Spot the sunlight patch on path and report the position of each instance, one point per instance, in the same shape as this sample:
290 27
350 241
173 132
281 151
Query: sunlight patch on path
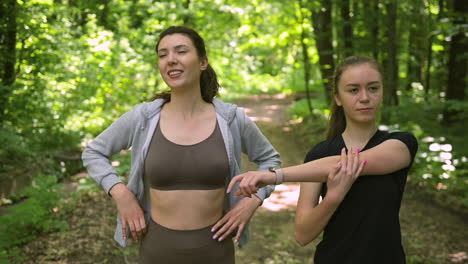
284 197
270 113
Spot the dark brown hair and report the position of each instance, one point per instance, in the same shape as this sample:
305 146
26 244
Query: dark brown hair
209 85
337 122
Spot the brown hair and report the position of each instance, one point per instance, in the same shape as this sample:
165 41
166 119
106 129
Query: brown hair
209 85
337 122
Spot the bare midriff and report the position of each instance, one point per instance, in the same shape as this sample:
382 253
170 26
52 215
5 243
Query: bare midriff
186 209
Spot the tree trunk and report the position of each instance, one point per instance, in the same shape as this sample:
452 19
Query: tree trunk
375 29
347 28
187 18
322 21
8 34
415 46
427 85
104 15
306 59
391 64
457 63
135 16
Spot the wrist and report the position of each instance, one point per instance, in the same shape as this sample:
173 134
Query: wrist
118 190
256 200
333 198
279 175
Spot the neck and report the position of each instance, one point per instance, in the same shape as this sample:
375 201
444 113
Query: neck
357 135
186 103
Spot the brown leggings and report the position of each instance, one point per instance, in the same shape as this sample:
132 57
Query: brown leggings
162 245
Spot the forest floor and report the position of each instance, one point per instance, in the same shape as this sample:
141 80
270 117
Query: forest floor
431 233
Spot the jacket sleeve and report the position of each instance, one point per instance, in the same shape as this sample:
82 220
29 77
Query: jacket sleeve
258 149
96 156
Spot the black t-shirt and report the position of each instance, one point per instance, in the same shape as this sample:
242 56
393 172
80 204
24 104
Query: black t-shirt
365 228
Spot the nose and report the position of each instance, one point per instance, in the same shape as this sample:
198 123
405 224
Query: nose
364 96
171 58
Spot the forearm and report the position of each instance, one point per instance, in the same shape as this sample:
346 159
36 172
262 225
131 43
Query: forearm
310 222
312 171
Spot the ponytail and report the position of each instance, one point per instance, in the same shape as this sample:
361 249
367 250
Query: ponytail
337 122
209 85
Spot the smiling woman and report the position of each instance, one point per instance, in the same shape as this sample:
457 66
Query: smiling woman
186 146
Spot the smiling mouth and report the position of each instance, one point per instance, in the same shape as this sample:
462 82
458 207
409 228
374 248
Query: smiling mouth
174 73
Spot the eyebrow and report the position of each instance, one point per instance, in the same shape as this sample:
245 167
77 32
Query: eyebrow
176 47
356 84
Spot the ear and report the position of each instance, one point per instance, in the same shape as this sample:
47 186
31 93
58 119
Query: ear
203 64
337 99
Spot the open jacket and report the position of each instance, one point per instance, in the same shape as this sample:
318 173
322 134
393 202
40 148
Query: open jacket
135 129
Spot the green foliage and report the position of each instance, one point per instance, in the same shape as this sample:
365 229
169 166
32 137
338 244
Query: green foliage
283 257
35 215
122 163
14 146
12 256
418 260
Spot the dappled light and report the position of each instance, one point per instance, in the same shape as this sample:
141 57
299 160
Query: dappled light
261 119
266 114
284 197
459 257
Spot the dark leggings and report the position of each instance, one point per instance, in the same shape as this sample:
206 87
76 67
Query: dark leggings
162 245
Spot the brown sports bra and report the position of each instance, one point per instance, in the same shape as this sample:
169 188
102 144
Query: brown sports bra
201 166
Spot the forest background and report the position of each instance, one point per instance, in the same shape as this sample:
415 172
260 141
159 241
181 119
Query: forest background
68 68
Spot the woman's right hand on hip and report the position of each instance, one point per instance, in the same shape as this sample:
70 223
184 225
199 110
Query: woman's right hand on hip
130 211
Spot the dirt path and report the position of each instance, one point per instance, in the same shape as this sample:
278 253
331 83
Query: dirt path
431 234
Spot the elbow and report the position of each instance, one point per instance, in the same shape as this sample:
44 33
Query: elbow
301 239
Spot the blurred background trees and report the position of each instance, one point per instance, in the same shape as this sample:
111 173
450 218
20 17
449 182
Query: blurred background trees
68 68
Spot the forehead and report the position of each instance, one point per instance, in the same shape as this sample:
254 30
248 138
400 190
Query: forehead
174 40
361 73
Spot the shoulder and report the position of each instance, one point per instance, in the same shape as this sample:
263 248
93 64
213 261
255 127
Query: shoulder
406 138
144 110
322 149
150 109
227 111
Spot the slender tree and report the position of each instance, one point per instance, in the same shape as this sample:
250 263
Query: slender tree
430 42
391 65
416 44
104 14
322 23
347 29
375 11
458 62
305 56
8 33
187 19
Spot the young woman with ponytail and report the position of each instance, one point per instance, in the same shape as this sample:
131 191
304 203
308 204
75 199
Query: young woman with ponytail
186 146
359 216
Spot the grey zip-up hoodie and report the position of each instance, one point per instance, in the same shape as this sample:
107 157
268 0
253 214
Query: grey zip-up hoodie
135 129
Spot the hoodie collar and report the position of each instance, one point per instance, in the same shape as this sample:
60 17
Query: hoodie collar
225 110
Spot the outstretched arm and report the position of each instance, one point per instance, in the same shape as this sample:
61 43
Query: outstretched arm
389 156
